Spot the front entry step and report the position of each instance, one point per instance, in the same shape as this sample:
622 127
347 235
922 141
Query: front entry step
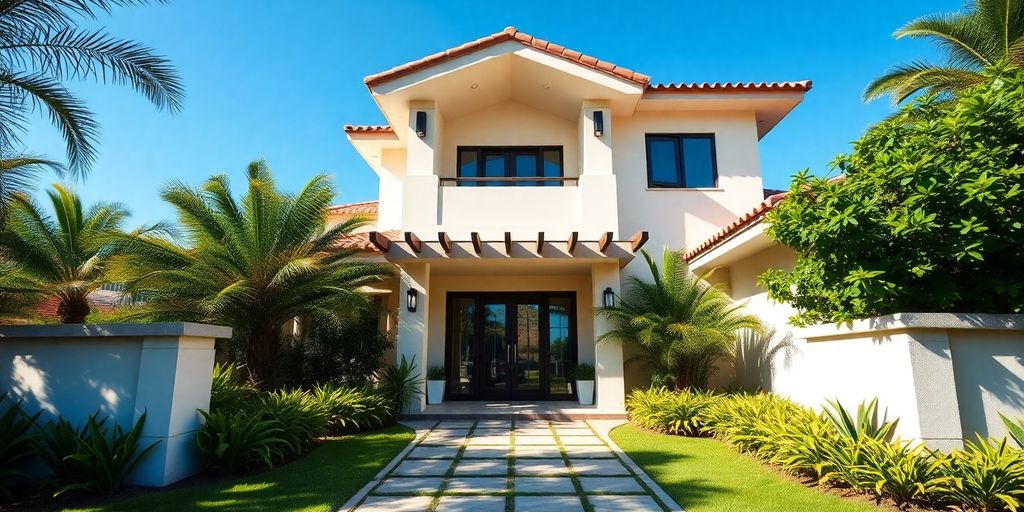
539 410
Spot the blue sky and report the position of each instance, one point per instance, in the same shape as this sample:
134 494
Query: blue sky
277 80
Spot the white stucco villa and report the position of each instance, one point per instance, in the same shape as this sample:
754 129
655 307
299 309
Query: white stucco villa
518 181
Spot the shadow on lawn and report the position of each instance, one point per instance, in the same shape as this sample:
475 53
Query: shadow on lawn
687 490
322 480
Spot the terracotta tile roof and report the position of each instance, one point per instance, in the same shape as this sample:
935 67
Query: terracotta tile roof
735 226
368 128
694 87
509 34
361 241
360 208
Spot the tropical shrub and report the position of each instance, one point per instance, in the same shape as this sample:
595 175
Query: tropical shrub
401 384
351 409
582 371
297 413
925 219
681 324
334 353
865 424
901 471
236 440
95 458
17 440
986 475
1015 428
229 391
252 262
435 373
668 411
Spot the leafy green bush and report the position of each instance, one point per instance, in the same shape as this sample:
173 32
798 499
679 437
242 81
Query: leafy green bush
333 353
236 440
352 409
925 219
297 413
986 475
401 384
902 472
582 371
667 411
230 391
864 424
95 458
17 441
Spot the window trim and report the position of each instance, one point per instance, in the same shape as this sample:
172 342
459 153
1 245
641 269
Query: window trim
678 139
509 152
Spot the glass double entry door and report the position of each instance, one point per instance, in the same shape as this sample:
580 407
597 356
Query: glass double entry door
510 346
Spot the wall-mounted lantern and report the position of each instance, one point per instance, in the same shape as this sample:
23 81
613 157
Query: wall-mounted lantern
421 124
410 300
609 298
598 123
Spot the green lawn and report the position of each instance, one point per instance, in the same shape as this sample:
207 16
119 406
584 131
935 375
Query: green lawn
320 481
705 475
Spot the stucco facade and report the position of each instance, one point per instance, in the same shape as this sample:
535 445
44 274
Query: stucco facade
572 232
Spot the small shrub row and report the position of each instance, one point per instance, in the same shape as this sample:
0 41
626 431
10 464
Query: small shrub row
841 448
95 458
247 428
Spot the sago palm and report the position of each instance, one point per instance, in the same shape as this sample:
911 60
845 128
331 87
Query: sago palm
251 264
41 49
65 255
985 34
682 324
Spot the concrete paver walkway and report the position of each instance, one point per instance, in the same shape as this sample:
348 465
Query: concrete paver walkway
506 466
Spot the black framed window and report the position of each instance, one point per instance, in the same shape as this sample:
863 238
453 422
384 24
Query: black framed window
507 166
681 161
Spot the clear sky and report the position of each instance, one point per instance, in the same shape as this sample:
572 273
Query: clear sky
277 80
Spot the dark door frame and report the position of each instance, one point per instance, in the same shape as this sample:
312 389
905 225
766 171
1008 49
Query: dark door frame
510 299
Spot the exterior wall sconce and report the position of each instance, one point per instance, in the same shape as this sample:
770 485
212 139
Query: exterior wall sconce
598 123
421 124
410 299
609 298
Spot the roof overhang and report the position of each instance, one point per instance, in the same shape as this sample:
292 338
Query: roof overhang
769 105
744 243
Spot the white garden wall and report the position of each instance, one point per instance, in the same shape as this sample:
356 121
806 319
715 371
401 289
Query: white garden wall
121 370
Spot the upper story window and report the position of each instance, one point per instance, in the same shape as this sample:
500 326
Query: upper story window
510 166
681 161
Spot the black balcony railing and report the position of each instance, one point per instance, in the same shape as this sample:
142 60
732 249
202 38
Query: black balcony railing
517 181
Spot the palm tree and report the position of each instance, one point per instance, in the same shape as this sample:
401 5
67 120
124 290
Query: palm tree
17 175
41 48
66 256
252 264
682 324
985 34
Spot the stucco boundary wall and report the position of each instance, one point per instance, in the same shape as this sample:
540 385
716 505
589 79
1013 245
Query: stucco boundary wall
123 371
945 376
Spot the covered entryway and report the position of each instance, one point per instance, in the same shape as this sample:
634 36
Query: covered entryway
510 346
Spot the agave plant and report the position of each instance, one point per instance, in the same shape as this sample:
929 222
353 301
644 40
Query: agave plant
864 424
401 384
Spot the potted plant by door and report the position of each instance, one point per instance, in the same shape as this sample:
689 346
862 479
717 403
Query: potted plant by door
435 385
584 375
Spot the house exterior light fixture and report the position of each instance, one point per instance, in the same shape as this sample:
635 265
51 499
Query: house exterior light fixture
421 124
410 299
598 123
609 298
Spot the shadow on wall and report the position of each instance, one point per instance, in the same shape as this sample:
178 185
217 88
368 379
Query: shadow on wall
758 354
989 376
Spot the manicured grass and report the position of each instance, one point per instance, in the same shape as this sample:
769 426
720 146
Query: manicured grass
705 475
320 481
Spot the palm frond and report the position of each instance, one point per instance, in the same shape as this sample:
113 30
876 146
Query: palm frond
904 81
18 174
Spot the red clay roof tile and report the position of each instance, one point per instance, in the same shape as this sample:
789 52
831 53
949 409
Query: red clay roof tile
360 208
800 86
735 226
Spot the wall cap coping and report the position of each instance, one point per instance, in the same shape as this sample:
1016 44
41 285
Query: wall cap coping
909 321
115 330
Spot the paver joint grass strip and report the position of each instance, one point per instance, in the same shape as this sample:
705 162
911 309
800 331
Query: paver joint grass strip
639 480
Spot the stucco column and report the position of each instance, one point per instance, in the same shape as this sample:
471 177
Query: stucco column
175 375
608 362
412 326
931 364
598 194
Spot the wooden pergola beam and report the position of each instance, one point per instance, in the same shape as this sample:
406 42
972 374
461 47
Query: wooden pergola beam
604 242
414 242
446 241
478 246
540 242
570 245
380 241
508 243
638 240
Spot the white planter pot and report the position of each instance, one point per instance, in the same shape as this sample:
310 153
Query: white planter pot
585 391
435 391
